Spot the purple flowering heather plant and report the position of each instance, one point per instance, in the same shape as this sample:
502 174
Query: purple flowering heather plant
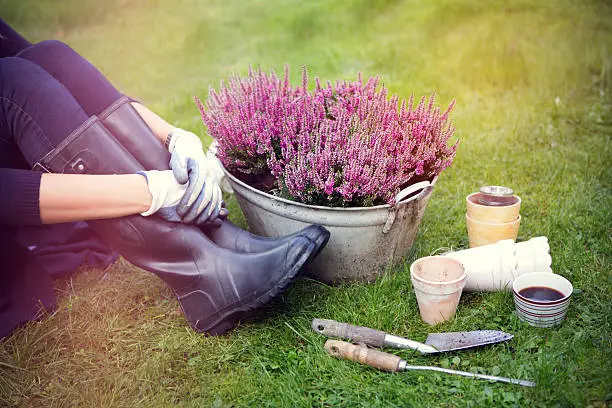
347 144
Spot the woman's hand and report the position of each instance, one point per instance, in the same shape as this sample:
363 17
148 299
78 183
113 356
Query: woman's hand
203 201
168 196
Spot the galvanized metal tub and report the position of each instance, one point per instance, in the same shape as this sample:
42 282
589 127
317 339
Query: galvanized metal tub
363 239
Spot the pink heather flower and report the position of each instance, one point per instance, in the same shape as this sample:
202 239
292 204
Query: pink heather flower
329 185
347 144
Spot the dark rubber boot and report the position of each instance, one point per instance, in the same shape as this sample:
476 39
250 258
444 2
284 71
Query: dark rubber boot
131 131
128 127
232 237
214 286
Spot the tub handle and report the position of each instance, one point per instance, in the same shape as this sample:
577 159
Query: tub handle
411 189
400 196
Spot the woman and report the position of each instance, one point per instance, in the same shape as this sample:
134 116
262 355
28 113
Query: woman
73 148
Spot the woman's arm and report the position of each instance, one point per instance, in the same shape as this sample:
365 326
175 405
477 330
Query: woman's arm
76 197
159 126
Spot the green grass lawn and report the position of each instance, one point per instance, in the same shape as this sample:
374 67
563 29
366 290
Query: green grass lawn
532 80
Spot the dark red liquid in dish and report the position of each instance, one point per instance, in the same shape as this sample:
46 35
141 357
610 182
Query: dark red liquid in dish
541 294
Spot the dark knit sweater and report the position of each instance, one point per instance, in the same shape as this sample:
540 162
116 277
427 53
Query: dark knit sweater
19 197
19 187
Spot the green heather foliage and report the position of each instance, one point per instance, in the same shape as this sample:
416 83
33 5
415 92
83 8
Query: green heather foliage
532 81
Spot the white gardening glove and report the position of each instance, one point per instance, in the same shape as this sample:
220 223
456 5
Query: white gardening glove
166 192
203 201
220 177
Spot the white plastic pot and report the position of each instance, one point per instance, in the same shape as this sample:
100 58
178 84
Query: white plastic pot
363 239
493 267
533 256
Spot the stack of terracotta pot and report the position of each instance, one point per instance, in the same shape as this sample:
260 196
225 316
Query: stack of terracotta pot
492 215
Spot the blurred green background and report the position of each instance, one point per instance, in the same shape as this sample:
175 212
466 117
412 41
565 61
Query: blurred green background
532 80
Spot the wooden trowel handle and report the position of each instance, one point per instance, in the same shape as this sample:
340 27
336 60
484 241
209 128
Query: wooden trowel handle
363 355
357 334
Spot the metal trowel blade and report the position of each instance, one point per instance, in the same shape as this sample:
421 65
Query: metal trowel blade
465 340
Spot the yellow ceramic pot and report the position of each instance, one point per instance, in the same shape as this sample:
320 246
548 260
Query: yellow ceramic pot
484 233
500 209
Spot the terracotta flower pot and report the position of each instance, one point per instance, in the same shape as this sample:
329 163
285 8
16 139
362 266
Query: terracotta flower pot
438 282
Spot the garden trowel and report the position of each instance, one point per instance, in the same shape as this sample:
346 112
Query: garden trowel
435 343
393 363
